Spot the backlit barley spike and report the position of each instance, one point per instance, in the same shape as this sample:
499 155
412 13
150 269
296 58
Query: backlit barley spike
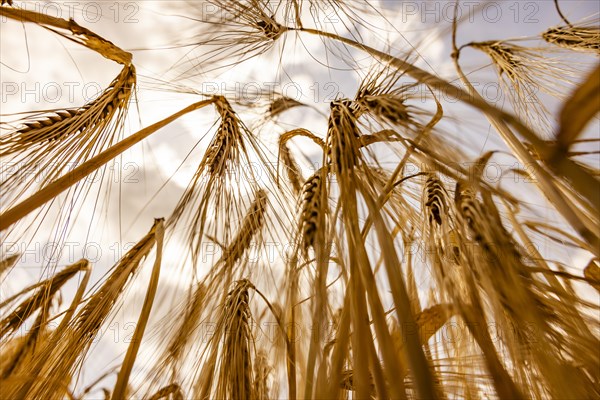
249 228
282 104
503 56
527 72
380 96
245 29
81 332
342 135
392 109
28 346
236 372
578 38
592 274
224 146
291 167
311 210
61 124
92 314
469 207
435 199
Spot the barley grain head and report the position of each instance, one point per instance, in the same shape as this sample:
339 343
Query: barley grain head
249 228
44 144
291 167
235 376
435 197
312 211
577 37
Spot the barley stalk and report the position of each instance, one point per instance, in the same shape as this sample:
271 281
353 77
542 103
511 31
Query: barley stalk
225 144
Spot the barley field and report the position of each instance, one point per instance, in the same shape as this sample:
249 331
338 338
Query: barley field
300 199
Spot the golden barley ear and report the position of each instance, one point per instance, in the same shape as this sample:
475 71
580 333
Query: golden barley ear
250 227
242 31
291 168
436 202
383 97
45 145
342 138
222 149
574 37
63 123
524 74
235 375
312 212
22 349
215 184
282 104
